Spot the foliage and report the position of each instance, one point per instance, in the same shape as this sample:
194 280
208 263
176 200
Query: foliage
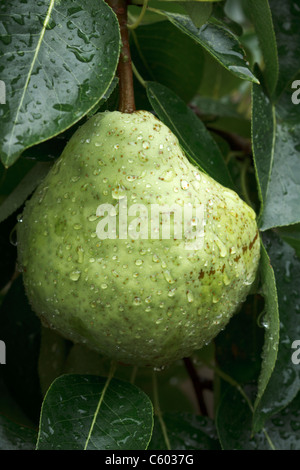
222 76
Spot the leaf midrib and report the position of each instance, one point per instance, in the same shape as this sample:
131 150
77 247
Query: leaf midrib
46 21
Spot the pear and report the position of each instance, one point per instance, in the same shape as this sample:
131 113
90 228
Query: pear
133 289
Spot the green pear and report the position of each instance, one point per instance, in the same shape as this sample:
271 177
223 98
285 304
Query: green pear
116 277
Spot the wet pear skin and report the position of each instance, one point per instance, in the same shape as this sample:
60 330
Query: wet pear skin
145 302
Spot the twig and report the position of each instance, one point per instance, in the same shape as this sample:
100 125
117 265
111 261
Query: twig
198 385
127 102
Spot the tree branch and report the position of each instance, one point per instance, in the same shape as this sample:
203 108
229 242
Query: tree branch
126 103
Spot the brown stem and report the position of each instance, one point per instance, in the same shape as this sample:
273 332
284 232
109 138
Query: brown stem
126 103
198 386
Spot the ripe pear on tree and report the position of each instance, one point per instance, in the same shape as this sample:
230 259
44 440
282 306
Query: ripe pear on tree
141 301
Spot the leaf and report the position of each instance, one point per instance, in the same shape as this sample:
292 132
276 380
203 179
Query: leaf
284 383
261 17
20 330
65 62
23 190
270 322
286 16
89 412
16 437
220 17
233 421
217 82
154 58
211 107
203 1
216 40
263 140
276 154
199 12
291 235
193 136
185 431
238 347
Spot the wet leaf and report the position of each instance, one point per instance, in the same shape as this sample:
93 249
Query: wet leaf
261 17
269 320
55 68
88 412
234 423
276 152
185 431
291 235
284 383
218 41
154 57
234 417
16 198
286 16
199 12
237 357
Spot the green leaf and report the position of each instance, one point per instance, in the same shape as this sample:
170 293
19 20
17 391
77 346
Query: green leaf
199 12
220 17
13 436
263 140
239 346
270 321
286 17
23 190
233 421
216 40
291 235
276 154
171 1
261 17
185 431
193 136
217 82
284 383
213 108
89 412
57 60
154 58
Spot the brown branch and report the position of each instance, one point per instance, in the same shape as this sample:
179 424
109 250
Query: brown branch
126 103
197 384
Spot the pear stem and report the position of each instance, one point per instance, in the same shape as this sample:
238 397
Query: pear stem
126 91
